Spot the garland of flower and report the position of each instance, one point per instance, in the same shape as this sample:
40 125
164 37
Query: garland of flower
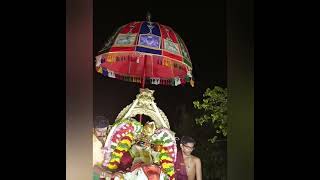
122 147
120 128
167 163
166 154
121 141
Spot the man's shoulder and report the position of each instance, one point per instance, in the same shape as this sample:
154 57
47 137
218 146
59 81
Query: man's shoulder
195 158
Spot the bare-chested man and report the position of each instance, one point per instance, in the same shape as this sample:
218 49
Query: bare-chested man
187 166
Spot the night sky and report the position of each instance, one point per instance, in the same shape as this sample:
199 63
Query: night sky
204 33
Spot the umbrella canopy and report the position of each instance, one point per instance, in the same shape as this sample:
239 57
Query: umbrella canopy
146 52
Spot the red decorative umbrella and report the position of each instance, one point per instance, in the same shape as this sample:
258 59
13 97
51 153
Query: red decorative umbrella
146 52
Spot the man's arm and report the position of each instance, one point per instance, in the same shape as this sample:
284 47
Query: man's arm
198 169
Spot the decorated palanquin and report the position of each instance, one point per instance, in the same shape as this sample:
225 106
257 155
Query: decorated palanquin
145 49
141 151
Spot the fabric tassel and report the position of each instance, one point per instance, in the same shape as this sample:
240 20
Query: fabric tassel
155 81
172 82
104 72
98 61
99 69
189 73
192 82
111 74
177 81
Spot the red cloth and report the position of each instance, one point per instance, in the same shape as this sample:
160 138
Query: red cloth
126 161
152 172
180 168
